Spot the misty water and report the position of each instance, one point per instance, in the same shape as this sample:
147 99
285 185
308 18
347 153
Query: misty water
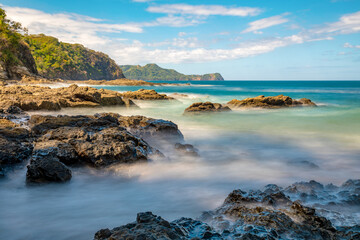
241 149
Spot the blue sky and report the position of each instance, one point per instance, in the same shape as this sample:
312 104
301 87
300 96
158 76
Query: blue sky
243 40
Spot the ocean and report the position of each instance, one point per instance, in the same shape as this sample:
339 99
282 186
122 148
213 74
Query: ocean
244 149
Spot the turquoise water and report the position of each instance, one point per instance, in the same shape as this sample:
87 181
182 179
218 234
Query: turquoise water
240 149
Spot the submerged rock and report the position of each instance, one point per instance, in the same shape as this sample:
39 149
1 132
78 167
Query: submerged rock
45 98
269 102
186 149
200 107
144 94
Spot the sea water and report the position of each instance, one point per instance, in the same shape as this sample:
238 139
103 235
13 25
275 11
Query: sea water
239 149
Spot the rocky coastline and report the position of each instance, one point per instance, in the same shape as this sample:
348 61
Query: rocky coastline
271 213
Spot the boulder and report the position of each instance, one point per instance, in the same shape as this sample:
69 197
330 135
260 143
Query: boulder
44 168
144 94
201 107
261 101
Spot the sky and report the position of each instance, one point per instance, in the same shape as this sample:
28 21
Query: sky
241 39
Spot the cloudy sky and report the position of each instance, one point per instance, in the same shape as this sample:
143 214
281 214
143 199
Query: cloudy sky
241 39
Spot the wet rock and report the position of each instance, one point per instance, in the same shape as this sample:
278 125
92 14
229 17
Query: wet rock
96 141
2 174
15 143
147 227
186 149
47 168
151 129
206 107
269 102
268 214
45 98
144 94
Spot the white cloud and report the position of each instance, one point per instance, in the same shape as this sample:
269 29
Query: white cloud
349 23
204 10
265 23
174 21
348 45
90 32
71 28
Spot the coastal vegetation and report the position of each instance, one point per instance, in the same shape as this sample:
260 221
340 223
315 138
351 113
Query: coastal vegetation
15 57
56 59
154 72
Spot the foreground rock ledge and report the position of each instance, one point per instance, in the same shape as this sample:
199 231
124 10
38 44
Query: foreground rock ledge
258 215
269 102
201 107
44 98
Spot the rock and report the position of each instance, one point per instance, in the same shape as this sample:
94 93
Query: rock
206 107
144 94
96 141
147 227
47 168
187 149
15 143
2 174
262 215
45 98
152 129
269 102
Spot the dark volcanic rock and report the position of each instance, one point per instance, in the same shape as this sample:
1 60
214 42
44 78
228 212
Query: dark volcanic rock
206 107
269 102
15 143
47 168
264 215
147 227
90 140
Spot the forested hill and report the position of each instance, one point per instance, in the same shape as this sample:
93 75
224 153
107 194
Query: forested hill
15 57
154 72
55 59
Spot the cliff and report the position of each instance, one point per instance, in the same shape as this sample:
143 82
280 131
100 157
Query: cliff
16 60
55 59
154 72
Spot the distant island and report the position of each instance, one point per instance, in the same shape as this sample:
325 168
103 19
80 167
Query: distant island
154 72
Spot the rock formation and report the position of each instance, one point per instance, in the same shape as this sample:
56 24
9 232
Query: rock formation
269 102
45 98
144 94
201 107
259 215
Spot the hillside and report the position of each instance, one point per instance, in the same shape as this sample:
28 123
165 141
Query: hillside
16 60
154 72
55 59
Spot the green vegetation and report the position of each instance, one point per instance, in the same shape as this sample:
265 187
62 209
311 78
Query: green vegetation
14 51
154 72
55 59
